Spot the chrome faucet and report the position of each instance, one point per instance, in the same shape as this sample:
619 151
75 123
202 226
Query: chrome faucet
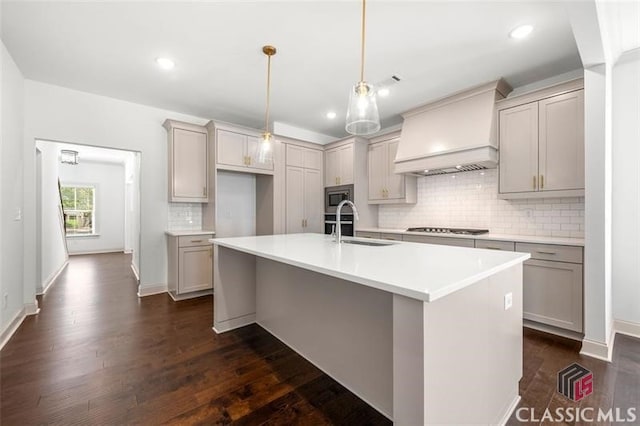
338 224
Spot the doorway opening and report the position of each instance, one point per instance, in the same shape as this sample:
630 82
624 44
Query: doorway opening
87 202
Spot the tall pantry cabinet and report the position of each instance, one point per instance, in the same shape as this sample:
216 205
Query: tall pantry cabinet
304 189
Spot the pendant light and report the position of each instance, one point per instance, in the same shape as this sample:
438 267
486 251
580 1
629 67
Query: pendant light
362 112
265 147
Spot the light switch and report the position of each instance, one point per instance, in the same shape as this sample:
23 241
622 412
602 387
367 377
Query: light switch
508 301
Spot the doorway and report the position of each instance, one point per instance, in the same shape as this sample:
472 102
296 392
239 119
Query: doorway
87 202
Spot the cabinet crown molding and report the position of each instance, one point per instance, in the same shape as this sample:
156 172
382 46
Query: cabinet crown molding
542 93
175 124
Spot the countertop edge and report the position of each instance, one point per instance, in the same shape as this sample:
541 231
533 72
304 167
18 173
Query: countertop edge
533 239
188 232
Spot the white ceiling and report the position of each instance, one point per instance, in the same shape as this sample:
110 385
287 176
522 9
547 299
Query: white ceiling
88 153
437 48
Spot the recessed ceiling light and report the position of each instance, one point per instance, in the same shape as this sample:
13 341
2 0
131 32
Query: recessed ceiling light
165 63
331 115
384 92
521 31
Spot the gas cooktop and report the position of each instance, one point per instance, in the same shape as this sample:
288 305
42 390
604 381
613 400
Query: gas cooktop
435 230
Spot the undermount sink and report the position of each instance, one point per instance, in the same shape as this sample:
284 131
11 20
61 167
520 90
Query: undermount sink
366 243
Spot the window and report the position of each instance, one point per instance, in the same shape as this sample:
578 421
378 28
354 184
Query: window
78 204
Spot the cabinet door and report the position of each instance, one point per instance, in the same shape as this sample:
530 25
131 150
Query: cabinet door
313 201
312 159
562 142
195 269
553 293
519 149
295 156
332 167
189 174
346 165
443 241
231 148
395 182
377 171
253 145
294 200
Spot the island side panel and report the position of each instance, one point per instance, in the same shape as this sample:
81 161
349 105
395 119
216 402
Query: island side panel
343 328
234 287
408 361
473 352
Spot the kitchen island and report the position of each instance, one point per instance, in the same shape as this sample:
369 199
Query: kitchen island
423 333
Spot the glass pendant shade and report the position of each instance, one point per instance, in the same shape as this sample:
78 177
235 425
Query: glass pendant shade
264 153
362 112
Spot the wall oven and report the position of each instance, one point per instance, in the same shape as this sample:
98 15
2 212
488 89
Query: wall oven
346 223
334 195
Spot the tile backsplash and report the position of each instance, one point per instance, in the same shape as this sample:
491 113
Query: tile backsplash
470 200
185 216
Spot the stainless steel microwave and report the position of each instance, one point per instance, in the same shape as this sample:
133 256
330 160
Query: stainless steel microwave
334 195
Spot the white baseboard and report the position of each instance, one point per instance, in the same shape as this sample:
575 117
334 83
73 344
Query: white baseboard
192 295
31 308
599 350
150 290
628 328
135 272
553 330
11 327
510 409
128 251
52 279
80 253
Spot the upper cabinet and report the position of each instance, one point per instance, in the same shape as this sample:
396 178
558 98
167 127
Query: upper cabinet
236 150
188 162
385 186
339 165
542 143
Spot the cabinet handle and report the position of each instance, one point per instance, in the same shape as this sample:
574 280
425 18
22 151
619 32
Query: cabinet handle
248 160
492 248
541 181
551 253
196 241
210 253
204 191
534 182
339 180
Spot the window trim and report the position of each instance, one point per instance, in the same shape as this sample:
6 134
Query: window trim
94 223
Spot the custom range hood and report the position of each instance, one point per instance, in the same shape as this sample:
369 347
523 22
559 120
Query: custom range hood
453 134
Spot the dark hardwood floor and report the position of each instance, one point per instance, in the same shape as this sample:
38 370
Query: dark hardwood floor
96 354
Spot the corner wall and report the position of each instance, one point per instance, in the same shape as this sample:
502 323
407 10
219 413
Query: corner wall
11 178
626 188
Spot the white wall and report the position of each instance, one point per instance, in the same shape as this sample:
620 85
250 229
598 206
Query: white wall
11 178
626 188
53 253
108 179
60 114
470 200
132 209
236 204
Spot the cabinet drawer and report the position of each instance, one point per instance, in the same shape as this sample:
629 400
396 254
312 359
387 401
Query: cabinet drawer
365 234
556 253
194 240
394 237
496 245
460 242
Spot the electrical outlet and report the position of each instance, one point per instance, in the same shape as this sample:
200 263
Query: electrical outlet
508 301
529 212
5 301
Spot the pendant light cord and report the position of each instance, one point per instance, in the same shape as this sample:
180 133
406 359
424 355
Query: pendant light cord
364 9
266 119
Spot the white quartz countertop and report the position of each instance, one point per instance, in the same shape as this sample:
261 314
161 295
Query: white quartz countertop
188 232
421 271
563 241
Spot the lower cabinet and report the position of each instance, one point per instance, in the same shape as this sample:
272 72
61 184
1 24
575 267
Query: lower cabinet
444 241
190 264
552 293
